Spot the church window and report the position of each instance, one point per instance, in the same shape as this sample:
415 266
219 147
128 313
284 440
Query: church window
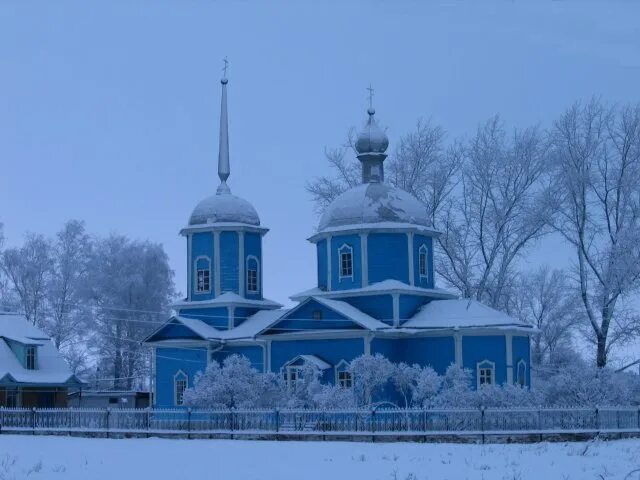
180 383
203 275
422 261
345 379
522 373
317 314
292 375
252 274
486 373
346 261
30 358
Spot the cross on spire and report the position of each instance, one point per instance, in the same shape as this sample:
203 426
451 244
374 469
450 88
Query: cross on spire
370 89
226 66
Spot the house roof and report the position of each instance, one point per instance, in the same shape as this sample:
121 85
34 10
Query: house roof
352 312
312 359
52 368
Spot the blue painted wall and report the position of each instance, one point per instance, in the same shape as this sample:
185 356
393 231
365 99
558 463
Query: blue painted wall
436 352
409 305
390 348
331 351
321 252
217 317
418 241
253 352
521 352
478 348
379 307
346 283
388 257
168 362
240 314
174 330
253 246
301 318
229 255
202 245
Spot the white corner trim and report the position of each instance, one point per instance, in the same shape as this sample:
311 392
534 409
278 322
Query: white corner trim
189 266
231 311
364 261
509 349
457 337
396 309
216 261
411 266
329 263
367 344
241 265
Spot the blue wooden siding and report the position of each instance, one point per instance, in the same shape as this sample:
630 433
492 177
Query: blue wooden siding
240 314
409 305
346 283
321 251
171 360
475 349
202 245
217 317
389 347
229 254
301 318
418 241
174 330
331 351
379 307
254 353
253 246
388 257
521 352
436 352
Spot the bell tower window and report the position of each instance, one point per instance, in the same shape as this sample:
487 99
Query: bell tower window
345 254
253 272
203 275
423 268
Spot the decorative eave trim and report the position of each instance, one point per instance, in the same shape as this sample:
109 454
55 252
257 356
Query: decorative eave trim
223 227
374 227
359 293
261 304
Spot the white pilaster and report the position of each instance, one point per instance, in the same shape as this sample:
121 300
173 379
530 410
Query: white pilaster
364 254
216 261
396 309
509 340
232 317
329 263
189 266
410 250
367 344
458 348
241 264
267 363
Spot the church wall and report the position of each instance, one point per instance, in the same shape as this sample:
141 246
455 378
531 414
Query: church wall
418 241
240 314
390 348
521 351
321 251
477 348
229 254
331 351
379 307
253 247
175 331
302 319
202 245
254 353
217 317
171 360
346 283
436 352
388 257
409 305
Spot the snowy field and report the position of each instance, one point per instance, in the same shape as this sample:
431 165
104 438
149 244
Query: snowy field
97 459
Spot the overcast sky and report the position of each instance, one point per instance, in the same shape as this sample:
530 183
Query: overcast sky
109 113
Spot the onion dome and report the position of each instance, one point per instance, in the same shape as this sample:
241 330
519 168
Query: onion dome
374 203
372 139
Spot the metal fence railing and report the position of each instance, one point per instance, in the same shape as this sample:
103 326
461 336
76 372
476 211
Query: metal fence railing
324 422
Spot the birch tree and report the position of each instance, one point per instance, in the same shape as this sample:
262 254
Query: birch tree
596 149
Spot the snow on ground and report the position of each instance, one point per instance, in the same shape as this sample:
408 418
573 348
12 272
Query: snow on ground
49 457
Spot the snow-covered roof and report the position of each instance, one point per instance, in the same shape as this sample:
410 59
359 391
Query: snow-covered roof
353 313
373 203
460 313
228 298
312 359
386 286
51 366
224 207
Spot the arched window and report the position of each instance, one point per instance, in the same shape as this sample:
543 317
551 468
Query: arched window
486 372
180 384
345 256
522 373
253 274
423 258
344 378
203 274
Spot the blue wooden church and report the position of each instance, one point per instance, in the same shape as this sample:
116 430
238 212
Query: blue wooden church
375 293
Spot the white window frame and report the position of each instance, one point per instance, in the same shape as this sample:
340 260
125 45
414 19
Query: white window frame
179 377
523 364
196 270
343 367
253 257
30 357
345 248
288 371
485 365
423 250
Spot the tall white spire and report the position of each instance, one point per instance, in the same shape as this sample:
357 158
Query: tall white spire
223 152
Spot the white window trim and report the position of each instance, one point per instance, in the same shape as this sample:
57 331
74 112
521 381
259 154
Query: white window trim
195 275
185 377
482 365
524 364
342 366
290 368
423 250
252 257
349 248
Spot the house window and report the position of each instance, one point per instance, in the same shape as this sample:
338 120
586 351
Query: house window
292 375
203 275
317 314
422 262
345 379
180 381
30 361
252 274
522 373
486 373
12 399
346 261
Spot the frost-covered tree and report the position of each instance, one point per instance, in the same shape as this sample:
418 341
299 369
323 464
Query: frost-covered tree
596 152
455 389
371 374
427 386
334 397
405 378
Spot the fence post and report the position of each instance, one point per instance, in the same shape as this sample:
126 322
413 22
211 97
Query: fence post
482 422
148 420
277 415
597 420
33 420
373 421
188 423
108 413
424 420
